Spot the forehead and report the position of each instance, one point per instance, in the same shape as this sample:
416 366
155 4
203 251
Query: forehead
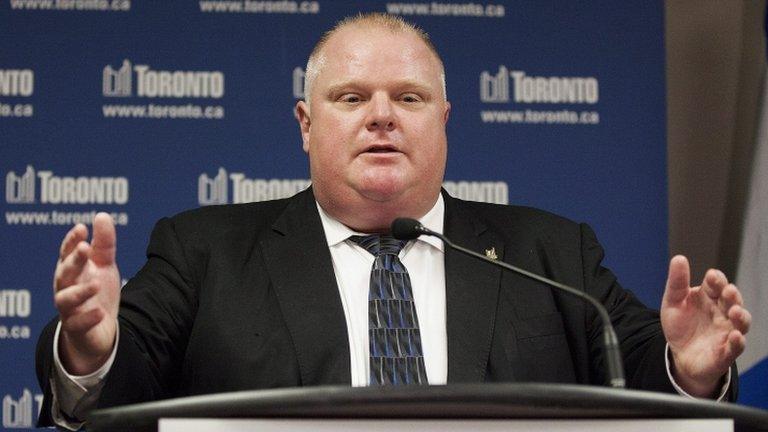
356 52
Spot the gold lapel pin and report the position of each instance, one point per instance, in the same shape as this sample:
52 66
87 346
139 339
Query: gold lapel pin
491 253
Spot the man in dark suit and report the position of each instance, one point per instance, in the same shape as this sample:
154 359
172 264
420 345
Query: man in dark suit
268 294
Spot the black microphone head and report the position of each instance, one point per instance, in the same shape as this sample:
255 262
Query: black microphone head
406 229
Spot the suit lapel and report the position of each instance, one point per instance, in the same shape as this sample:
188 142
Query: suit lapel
300 266
472 290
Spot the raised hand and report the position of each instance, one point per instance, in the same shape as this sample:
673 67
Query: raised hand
86 288
705 327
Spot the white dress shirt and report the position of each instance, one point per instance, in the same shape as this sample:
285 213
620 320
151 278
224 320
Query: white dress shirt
352 267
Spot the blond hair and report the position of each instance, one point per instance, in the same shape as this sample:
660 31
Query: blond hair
393 23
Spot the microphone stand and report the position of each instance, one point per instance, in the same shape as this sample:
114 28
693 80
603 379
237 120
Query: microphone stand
407 229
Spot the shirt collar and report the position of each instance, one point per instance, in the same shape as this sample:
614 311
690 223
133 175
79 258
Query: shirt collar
336 232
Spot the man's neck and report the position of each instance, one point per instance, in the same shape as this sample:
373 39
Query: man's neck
376 218
337 231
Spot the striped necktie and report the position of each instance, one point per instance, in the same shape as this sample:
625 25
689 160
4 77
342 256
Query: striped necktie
396 357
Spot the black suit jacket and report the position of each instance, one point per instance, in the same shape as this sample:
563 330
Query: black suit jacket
244 297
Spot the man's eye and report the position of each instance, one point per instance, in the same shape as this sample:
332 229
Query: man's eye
350 98
410 98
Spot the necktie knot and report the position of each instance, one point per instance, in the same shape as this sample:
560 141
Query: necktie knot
378 245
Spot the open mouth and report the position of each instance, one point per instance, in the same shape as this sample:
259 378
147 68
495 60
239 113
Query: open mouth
384 148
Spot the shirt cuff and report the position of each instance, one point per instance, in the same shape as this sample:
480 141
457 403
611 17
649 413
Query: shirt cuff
76 395
723 390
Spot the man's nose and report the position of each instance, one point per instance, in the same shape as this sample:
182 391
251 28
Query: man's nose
381 115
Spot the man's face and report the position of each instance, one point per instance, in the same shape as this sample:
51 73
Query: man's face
375 129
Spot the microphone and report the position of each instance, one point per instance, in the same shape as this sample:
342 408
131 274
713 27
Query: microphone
409 229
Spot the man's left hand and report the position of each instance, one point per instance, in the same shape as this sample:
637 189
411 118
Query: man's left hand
704 326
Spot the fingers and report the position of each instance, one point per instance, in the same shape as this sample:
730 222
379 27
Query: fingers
734 347
731 296
714 283
740 318
68 299
104 240
81 323
74 311
678 280
75 251
71 266
75 235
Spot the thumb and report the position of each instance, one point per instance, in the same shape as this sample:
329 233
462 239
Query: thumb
104 240
678 280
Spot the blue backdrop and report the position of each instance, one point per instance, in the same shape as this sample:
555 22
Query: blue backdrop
143 109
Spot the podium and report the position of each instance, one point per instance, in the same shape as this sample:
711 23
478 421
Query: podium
498 402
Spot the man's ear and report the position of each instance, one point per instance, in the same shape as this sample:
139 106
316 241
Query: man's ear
446 112
301 112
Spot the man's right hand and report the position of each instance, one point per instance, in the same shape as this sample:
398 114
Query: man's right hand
86 289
